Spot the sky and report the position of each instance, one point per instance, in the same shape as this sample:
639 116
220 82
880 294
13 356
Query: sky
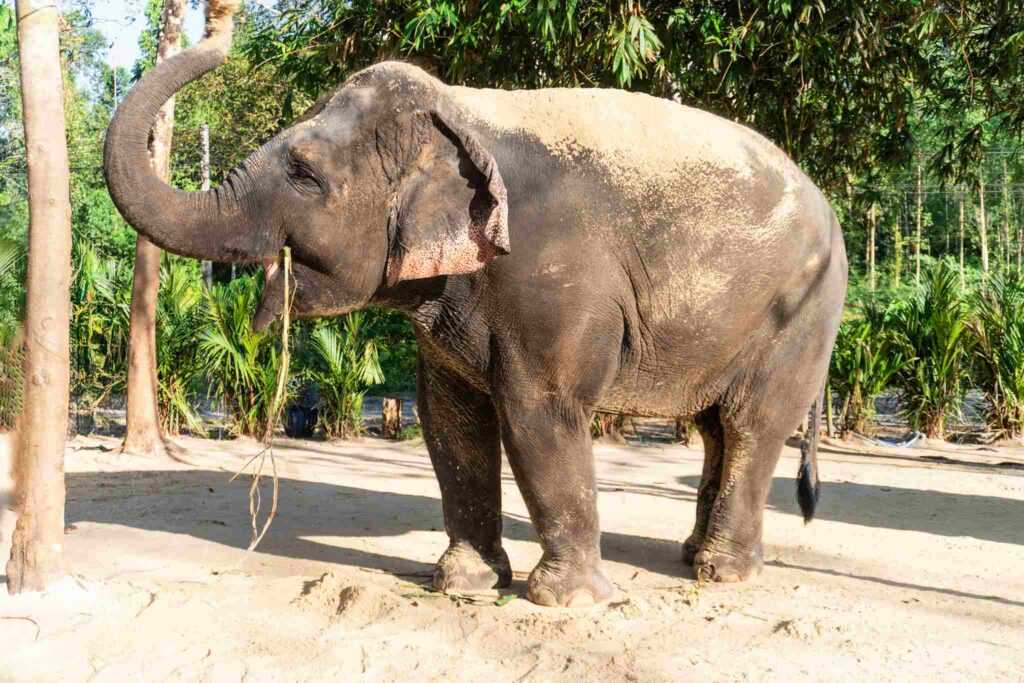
121 21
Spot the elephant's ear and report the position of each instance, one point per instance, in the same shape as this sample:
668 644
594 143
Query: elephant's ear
451 207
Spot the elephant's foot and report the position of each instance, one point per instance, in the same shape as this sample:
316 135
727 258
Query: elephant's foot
691 547
557 583
463 568
713 565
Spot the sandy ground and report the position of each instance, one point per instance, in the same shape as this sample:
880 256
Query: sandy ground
913 570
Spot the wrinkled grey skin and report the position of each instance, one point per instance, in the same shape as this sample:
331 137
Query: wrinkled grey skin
544 281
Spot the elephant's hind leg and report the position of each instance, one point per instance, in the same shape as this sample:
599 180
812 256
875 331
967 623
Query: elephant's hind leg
460 428
731 549
757 415
710 428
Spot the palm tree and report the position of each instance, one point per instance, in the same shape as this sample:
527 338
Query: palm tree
345 361
932 328
178 316
240 364
998 329
865 360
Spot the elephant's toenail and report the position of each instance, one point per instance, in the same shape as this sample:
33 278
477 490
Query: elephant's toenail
543 596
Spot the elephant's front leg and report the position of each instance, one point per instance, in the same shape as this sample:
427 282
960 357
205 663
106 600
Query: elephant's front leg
549 448
461 431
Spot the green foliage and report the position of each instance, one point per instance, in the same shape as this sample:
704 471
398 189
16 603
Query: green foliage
410 433
177 356
344 361
11 381
852 90
240 365
100 302
932 328
396 346
998 327
835 84
11 356
865 359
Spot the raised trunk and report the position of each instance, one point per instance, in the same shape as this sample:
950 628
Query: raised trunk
215 225
38 540
143 435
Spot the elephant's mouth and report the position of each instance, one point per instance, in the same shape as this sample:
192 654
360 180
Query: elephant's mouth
273 300
312 294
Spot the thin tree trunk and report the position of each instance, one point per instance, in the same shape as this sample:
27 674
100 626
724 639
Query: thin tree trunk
829 420
897 240
391 418
1007 217
1020 241
920 216
204 139
983 227
962 276
38 539
143 435
872 220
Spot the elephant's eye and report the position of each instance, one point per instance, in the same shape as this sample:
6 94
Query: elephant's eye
304 178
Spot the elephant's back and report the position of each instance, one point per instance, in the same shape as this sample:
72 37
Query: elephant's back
640 138
681 172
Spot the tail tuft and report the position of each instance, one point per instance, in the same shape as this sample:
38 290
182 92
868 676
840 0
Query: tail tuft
808 488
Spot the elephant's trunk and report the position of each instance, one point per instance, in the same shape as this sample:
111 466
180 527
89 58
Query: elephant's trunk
213 225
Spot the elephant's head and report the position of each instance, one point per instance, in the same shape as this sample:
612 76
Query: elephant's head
379 183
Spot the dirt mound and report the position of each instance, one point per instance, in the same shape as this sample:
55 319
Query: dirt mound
337 598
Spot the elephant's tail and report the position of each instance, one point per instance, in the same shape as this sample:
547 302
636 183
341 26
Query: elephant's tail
807 484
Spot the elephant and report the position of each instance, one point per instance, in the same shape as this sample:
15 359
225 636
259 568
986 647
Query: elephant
558 252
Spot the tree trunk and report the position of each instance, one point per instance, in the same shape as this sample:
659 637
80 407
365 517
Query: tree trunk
962 277
829 418
38 540
872 217
143 435
920 216
608 426
983 226
897 240
1007 218
684 430
391 418
204 139
1020 241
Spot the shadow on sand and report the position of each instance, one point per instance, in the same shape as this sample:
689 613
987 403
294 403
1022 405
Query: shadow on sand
203 504
987 518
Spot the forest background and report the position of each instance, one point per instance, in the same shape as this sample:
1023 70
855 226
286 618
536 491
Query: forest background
908 114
